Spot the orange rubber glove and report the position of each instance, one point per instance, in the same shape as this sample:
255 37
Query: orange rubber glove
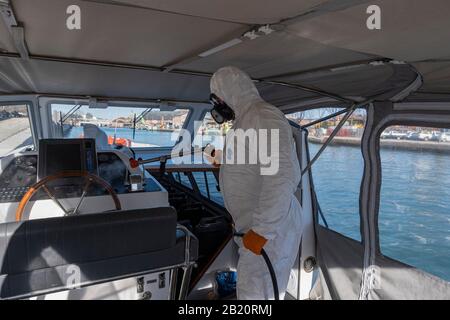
254 242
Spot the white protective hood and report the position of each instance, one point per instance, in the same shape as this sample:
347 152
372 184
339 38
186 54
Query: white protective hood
235 88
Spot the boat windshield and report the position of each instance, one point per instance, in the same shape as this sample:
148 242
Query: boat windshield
137 127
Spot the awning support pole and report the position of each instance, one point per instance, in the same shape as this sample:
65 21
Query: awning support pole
332 135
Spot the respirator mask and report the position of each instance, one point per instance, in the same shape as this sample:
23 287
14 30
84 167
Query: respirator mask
220 112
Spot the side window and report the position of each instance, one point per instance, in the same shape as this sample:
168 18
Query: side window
414 216
15 131
207 183
338 172
183 179
212 133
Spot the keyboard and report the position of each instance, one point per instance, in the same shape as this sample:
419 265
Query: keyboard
14 194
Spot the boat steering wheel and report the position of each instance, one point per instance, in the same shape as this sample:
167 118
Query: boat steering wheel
89 179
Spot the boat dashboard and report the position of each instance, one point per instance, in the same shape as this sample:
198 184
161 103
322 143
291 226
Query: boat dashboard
21 174
21 171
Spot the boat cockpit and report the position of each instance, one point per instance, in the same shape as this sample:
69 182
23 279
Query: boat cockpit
68 167
79 175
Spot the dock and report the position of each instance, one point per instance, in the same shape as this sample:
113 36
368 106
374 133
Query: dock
412 145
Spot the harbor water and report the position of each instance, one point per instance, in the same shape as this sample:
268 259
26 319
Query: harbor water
414 214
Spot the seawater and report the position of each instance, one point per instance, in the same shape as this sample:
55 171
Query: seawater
414 214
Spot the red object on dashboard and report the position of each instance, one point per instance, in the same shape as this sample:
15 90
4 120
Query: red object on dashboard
134 163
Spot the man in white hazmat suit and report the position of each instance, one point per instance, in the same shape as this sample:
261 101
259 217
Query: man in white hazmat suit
263 206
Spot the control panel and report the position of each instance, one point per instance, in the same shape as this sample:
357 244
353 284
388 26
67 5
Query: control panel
14 194
21 173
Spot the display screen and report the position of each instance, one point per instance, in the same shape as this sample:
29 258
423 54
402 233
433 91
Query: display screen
63 157
56 155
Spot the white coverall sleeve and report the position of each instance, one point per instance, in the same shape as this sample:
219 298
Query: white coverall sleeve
276 190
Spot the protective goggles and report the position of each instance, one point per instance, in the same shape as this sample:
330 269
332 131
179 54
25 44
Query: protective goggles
220 112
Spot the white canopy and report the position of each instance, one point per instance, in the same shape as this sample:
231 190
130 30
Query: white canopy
150 49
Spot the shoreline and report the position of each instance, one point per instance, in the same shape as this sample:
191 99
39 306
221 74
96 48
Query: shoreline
429 146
